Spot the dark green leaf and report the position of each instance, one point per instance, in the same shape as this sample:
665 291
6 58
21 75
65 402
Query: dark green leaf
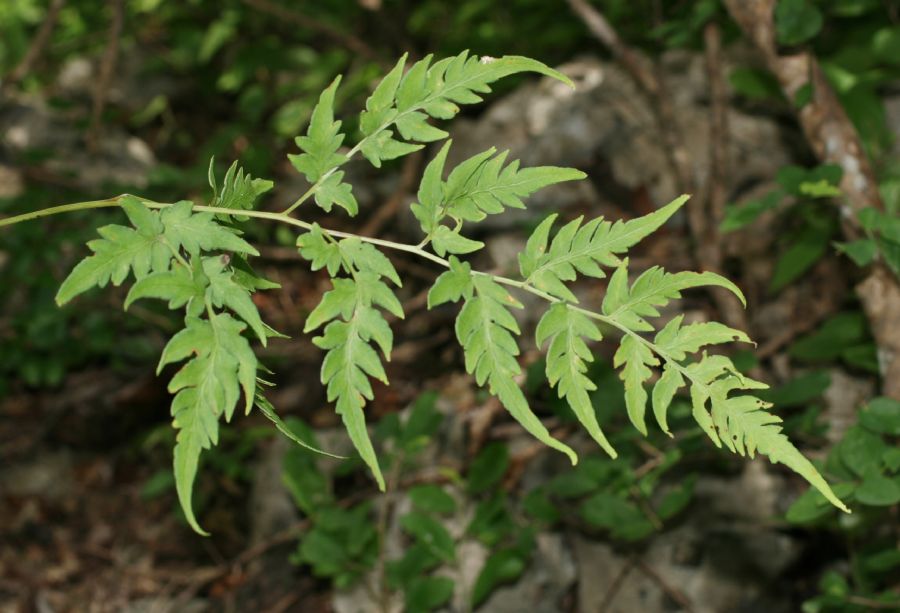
488 468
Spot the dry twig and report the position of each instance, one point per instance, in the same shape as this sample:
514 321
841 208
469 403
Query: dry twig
639 68
710 247
38 45
107 67
351 42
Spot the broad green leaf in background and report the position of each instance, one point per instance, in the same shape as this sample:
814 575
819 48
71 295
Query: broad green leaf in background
797 21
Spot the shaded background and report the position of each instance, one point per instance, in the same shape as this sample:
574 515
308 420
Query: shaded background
100 98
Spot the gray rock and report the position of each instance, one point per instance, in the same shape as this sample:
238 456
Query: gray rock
606 128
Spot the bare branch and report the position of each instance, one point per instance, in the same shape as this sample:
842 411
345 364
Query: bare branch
353 43
107 68
38 44
641 71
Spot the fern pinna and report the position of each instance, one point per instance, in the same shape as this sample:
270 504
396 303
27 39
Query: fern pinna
194 257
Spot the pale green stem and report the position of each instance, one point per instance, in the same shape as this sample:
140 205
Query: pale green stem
65 208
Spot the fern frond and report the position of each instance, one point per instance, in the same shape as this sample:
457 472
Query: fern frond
486 330
221 366
482 185
320 157
583 249
741 422
635 358
194 231
121 251
181 286
319 250
653 289
352 324
476 188
239 190
677 341
431 90
567 358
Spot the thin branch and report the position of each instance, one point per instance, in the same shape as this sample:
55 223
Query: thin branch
829 131
710 247
616 585
107 68
38 45
351 42
672 592
653 87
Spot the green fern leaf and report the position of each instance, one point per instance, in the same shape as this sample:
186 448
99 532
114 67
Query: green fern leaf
184 228
654 288
485 328
120 252
452 285
239 190
383 146
266 408
321 252
365 257
222 365
567 358
482 185
333 191
447 241
741 422
663 393
322 141
635 358
352 324
180 286
224 291
677 341
320 157
431 90
583 249
429 209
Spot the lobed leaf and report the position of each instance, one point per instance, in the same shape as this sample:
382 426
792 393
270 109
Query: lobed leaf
486 330
180 286
322 141
353 324
452 285
221 366
653 289
482 185
635 358
193 232
239 190
583 249
119 252
431 89
741 422
567 358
